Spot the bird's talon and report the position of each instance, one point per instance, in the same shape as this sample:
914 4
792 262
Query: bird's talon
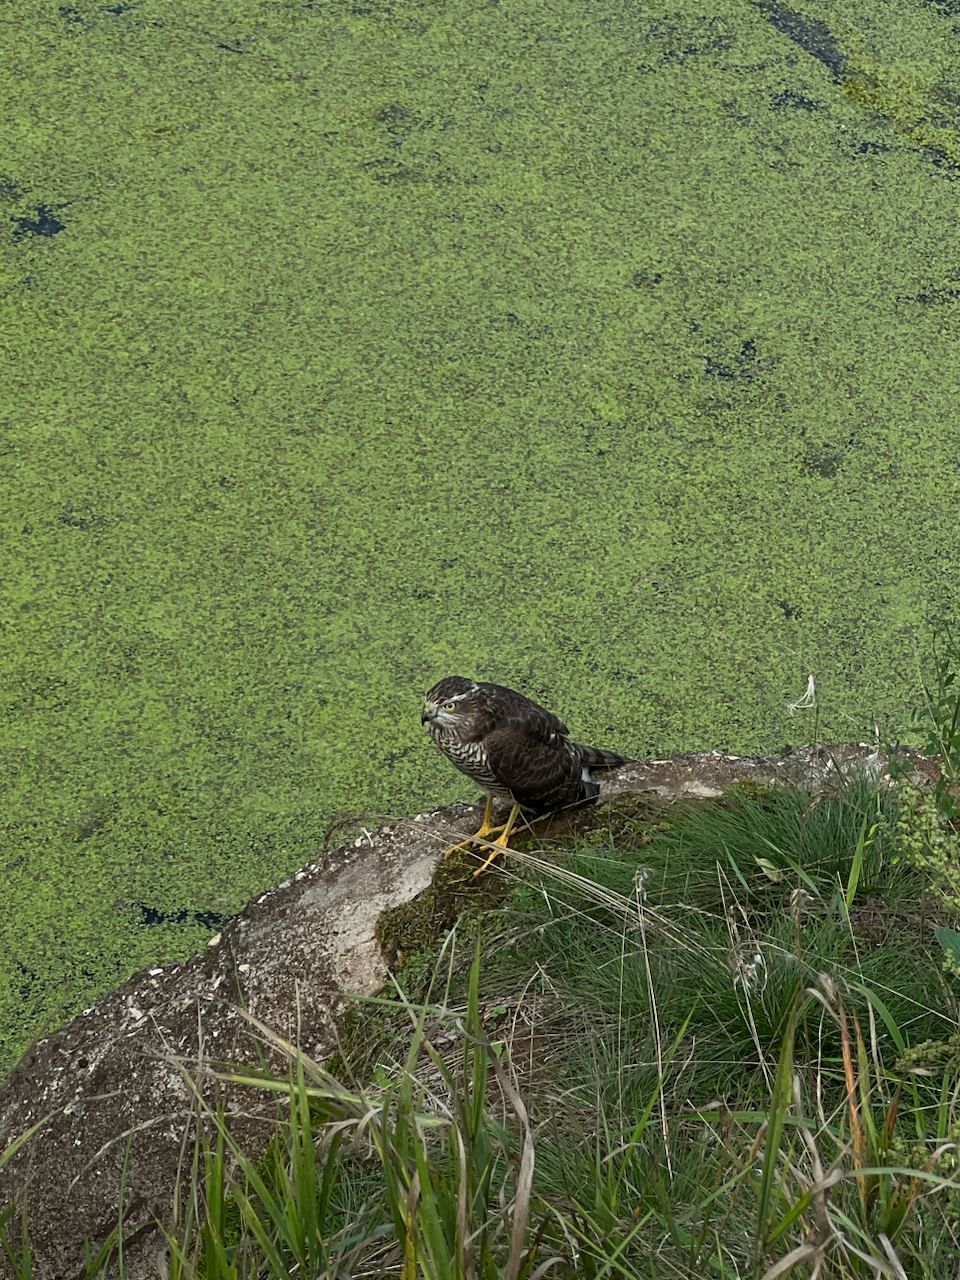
483 835
455 848
484 866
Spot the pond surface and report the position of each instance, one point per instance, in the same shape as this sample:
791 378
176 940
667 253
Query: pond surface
609 350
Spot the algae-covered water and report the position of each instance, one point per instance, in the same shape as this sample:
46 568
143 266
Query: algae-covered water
610 350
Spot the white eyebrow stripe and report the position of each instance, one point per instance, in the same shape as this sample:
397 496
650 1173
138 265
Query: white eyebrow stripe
459 697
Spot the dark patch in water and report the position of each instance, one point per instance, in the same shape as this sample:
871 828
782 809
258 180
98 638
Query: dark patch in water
392 114
715 369
936 297
9 190
151 916
874 148
388 169
641 279
940 160
790 610
825 462
788 99
74 518
812 36
690 40
743 367
24 979
46 223
92 821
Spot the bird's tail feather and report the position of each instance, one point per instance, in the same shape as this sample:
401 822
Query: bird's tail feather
595 758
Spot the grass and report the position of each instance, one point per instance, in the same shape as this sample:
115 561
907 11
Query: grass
715 1040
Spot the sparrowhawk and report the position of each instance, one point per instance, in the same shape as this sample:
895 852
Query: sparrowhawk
513 748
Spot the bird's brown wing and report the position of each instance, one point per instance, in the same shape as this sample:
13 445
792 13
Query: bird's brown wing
507 707
542 771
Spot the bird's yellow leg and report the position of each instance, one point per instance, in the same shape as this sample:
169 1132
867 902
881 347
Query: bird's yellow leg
487 829
501 841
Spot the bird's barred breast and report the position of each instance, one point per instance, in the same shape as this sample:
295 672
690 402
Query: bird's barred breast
471 758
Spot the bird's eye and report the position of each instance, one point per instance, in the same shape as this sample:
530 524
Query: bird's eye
449 706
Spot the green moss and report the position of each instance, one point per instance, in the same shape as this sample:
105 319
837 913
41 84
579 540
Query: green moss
351 345
626 821
760 793
416 927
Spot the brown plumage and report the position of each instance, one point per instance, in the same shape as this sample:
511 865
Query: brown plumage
513 748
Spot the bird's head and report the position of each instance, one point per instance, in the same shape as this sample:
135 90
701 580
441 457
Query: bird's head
451 703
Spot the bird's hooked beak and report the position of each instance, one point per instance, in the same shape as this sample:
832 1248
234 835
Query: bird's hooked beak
428 713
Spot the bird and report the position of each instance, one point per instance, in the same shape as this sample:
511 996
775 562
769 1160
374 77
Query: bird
514 749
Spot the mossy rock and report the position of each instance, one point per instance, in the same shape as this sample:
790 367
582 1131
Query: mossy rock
763 794
418 925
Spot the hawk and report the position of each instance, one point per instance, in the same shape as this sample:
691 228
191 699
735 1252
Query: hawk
513 748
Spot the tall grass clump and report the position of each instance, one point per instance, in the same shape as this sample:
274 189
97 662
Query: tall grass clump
426 1177
935 719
